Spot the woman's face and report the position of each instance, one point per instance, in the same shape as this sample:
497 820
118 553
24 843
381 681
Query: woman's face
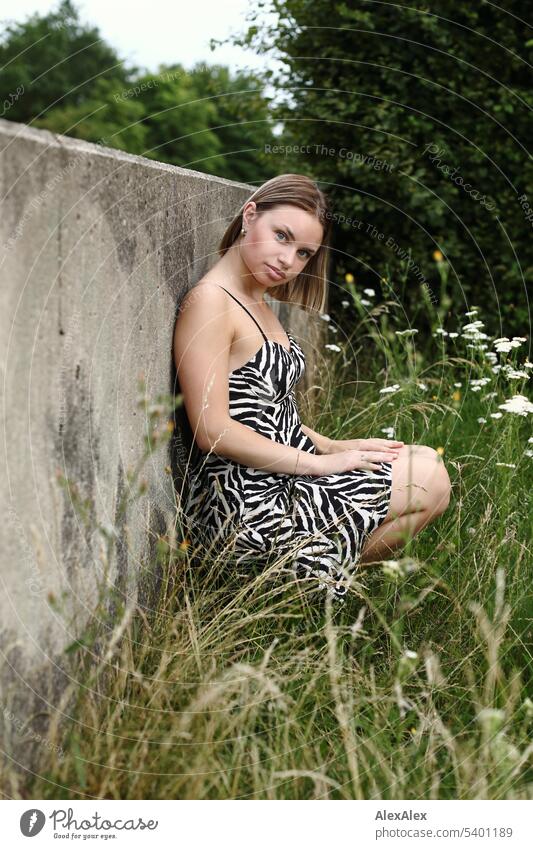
283 238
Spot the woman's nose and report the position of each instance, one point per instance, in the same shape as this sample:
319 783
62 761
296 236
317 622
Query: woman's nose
284 262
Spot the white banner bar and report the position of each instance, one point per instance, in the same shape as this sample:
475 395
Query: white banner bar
259 823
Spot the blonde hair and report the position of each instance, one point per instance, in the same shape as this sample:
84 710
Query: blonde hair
309 288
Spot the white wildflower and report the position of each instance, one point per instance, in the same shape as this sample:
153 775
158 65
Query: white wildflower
458 385
496 415
345 304
453 335
527 364
393 388
325 316
442 331
472 312
369 292
422 386
389 431
518 404
332 347
406 332
491 356
503 345
514 374
481 420
528 452
475 333
366 303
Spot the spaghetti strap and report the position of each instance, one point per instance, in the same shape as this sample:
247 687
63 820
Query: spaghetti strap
244 308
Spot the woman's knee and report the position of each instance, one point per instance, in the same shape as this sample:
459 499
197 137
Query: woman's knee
440 488
443 490
420 481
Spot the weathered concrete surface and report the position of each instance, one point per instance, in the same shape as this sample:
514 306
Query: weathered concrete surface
97 248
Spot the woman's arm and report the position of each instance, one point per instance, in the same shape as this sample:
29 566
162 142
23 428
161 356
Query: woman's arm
323 444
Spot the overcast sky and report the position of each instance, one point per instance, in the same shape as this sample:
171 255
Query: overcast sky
163 31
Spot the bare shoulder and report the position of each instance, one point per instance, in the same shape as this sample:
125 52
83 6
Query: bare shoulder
204 326
204 294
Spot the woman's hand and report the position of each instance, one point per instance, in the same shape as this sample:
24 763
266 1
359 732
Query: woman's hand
349 459
387 445
344 455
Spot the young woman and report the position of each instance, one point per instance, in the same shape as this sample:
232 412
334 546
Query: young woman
260 477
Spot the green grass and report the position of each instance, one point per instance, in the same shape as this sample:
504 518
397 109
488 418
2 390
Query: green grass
252 685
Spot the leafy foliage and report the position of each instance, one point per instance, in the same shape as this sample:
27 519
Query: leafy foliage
423 92
60 75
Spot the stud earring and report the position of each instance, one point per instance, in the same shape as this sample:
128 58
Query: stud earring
244 231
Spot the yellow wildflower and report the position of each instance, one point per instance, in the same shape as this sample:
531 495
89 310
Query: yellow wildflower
456 395
438 256
440 450
349 277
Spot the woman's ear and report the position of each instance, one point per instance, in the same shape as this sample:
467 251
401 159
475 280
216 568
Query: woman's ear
249 213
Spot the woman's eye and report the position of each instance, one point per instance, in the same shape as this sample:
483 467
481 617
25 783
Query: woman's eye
301 249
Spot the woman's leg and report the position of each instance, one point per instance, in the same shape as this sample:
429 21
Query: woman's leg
420 492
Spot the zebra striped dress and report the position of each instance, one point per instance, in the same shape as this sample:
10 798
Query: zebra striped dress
319 522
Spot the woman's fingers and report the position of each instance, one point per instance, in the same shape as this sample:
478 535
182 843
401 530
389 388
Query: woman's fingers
386 443
377 456
378 445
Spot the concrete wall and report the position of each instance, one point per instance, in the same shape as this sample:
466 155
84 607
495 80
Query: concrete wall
97 249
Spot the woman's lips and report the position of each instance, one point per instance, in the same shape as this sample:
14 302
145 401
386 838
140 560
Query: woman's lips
277 274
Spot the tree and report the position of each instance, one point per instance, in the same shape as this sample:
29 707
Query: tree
416 120
242 121
61 76
57 63
105 116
